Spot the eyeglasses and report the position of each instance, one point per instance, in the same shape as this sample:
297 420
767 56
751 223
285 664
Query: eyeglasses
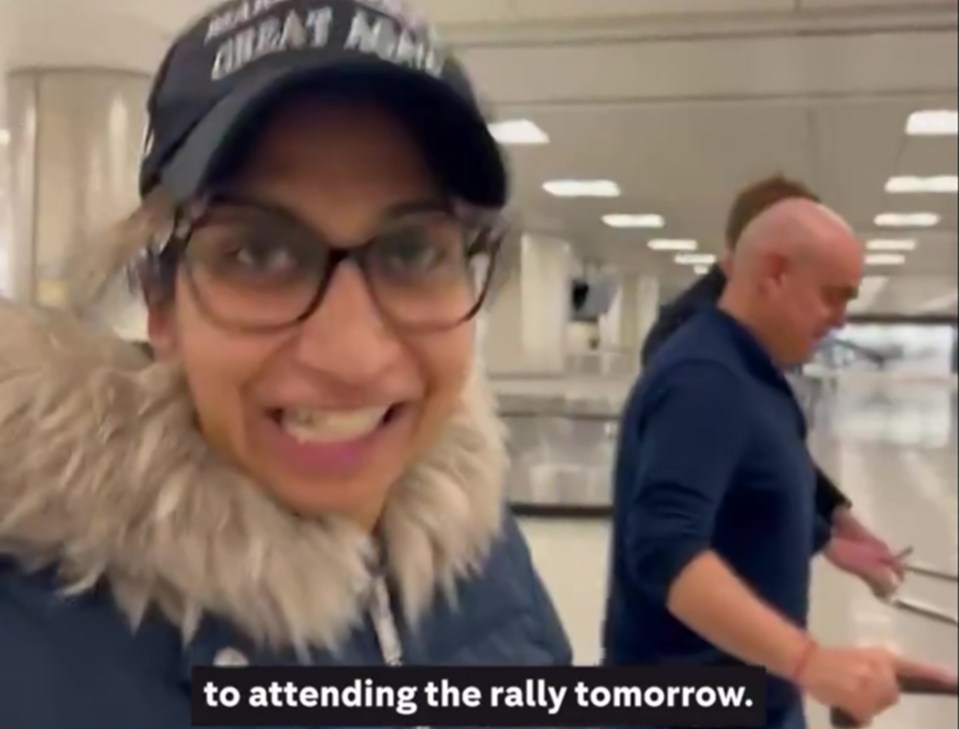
255 267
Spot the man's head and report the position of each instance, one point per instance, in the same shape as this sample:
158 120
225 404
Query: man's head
795 269
756 199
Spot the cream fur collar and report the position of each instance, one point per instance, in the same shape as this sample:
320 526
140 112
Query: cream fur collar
103 475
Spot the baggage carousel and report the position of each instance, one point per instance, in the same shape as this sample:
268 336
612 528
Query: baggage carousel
562 452
563 447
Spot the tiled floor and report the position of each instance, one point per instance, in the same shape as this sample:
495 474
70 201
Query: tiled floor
892 446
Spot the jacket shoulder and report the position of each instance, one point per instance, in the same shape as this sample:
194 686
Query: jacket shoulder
673 316
82 652
541 609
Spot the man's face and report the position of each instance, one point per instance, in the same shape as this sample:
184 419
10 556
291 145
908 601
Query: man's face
810 297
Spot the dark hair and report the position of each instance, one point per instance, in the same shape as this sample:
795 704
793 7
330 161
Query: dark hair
754 200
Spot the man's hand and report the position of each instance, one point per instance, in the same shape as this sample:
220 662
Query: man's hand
873 563
846 525
854 548
862 682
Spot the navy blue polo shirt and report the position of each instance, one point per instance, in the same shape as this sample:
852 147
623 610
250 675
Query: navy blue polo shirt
712 456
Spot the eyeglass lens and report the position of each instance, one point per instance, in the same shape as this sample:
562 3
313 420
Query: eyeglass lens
254 267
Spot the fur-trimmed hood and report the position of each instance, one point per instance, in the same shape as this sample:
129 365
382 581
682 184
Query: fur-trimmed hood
103 475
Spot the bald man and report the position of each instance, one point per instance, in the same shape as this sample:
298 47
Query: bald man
854 548
715 523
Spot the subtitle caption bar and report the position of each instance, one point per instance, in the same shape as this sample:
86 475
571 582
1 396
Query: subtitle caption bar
471 696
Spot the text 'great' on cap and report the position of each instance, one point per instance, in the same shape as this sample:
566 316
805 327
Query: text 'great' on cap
223 73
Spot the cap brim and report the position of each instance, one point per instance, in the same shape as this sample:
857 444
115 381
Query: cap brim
449 127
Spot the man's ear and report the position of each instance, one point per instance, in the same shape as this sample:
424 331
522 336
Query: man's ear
161 329
775 268
726 262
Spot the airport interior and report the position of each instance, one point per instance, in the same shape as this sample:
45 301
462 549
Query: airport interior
629 125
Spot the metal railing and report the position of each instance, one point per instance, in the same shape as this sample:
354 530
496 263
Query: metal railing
909 685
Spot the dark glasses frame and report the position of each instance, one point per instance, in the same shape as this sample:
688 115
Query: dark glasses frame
489 230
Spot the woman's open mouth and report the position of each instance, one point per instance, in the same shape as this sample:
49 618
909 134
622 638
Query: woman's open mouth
311 425
329 441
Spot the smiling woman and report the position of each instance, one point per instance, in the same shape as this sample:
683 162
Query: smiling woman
309 467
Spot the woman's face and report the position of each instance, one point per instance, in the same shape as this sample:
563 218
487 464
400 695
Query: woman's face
328 413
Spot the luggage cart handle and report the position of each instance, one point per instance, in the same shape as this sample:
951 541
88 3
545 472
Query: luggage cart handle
921 568
912 686
929 612
926 570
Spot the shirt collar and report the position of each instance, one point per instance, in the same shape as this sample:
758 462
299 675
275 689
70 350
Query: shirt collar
751 350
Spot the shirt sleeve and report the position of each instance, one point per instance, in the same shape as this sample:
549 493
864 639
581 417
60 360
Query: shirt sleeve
688 446
822 534
828 496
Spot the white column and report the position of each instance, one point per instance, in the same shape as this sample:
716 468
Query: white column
75 143
525 329
501 333
640 297
611 324
546 301
6 217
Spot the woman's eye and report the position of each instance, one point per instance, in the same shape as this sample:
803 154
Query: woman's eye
253 254
412 252
262 257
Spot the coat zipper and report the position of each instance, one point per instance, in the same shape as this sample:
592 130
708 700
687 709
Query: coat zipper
384 625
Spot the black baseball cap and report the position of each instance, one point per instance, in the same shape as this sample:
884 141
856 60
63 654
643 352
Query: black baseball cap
222 75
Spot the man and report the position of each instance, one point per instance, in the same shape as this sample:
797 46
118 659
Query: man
714 517
853 548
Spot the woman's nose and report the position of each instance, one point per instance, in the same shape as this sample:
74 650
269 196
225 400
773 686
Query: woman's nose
347 338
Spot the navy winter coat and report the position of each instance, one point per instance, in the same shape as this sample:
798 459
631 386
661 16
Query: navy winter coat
129 554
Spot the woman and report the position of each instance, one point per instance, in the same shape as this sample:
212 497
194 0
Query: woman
312 470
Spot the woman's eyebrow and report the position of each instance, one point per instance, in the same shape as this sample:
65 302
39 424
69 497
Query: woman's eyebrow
426 204
420 205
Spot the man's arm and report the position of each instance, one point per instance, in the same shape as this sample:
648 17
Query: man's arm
688 454
835 508
828 496
709 598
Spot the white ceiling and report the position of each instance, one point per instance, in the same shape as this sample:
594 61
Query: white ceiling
681 102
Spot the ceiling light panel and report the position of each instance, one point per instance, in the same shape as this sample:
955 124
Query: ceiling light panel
907 220
891 245
582 188
695 259
518 132
631 220
672 244
912 184
4 137
885 259
933 123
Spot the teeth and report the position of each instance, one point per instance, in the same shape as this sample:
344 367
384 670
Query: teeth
308 425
